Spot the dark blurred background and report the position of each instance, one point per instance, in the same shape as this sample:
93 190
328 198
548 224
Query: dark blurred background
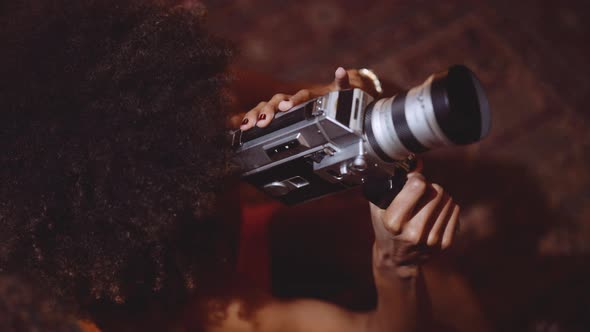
525 190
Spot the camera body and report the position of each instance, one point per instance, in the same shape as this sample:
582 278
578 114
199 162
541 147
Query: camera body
347 138
314 149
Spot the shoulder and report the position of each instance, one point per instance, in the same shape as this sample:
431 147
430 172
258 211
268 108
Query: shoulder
289 316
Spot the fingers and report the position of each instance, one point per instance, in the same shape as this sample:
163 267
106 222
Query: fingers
441 221
417 229
451 228
445 226
400 210
422 214
249 119
267 112
341 80
299 98
263 113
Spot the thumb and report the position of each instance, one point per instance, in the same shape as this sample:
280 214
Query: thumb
341 80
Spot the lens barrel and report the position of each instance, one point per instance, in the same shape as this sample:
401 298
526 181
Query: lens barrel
449 108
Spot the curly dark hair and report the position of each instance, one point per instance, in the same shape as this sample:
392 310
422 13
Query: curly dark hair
113 148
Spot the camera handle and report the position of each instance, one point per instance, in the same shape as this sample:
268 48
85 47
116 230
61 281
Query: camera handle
382 190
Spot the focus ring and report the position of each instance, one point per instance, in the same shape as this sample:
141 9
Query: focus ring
402 129
371 135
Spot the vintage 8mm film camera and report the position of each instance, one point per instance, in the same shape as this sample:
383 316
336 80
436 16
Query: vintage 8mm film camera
346 138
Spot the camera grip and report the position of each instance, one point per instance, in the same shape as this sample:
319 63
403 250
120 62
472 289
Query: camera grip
381 191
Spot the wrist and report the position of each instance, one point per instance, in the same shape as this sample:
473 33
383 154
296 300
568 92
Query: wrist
388 261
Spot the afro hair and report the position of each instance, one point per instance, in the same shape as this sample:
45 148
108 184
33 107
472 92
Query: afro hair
113 149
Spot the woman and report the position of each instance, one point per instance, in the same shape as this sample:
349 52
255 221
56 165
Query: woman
115 168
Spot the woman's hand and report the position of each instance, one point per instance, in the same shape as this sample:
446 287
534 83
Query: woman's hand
420 220
264 112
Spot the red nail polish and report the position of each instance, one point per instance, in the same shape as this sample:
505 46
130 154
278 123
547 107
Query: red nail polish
262 116
244 121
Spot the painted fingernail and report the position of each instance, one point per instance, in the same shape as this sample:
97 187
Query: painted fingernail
262 116
245 121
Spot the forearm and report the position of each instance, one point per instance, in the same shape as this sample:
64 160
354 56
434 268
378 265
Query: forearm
400 297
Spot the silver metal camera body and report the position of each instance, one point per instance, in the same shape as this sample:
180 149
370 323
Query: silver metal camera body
313 150
346 138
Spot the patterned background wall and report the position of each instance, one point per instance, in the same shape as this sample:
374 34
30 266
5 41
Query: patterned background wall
525 190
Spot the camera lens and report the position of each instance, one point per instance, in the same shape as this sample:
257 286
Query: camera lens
449 108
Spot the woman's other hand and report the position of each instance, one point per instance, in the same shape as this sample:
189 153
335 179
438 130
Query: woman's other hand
422 219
